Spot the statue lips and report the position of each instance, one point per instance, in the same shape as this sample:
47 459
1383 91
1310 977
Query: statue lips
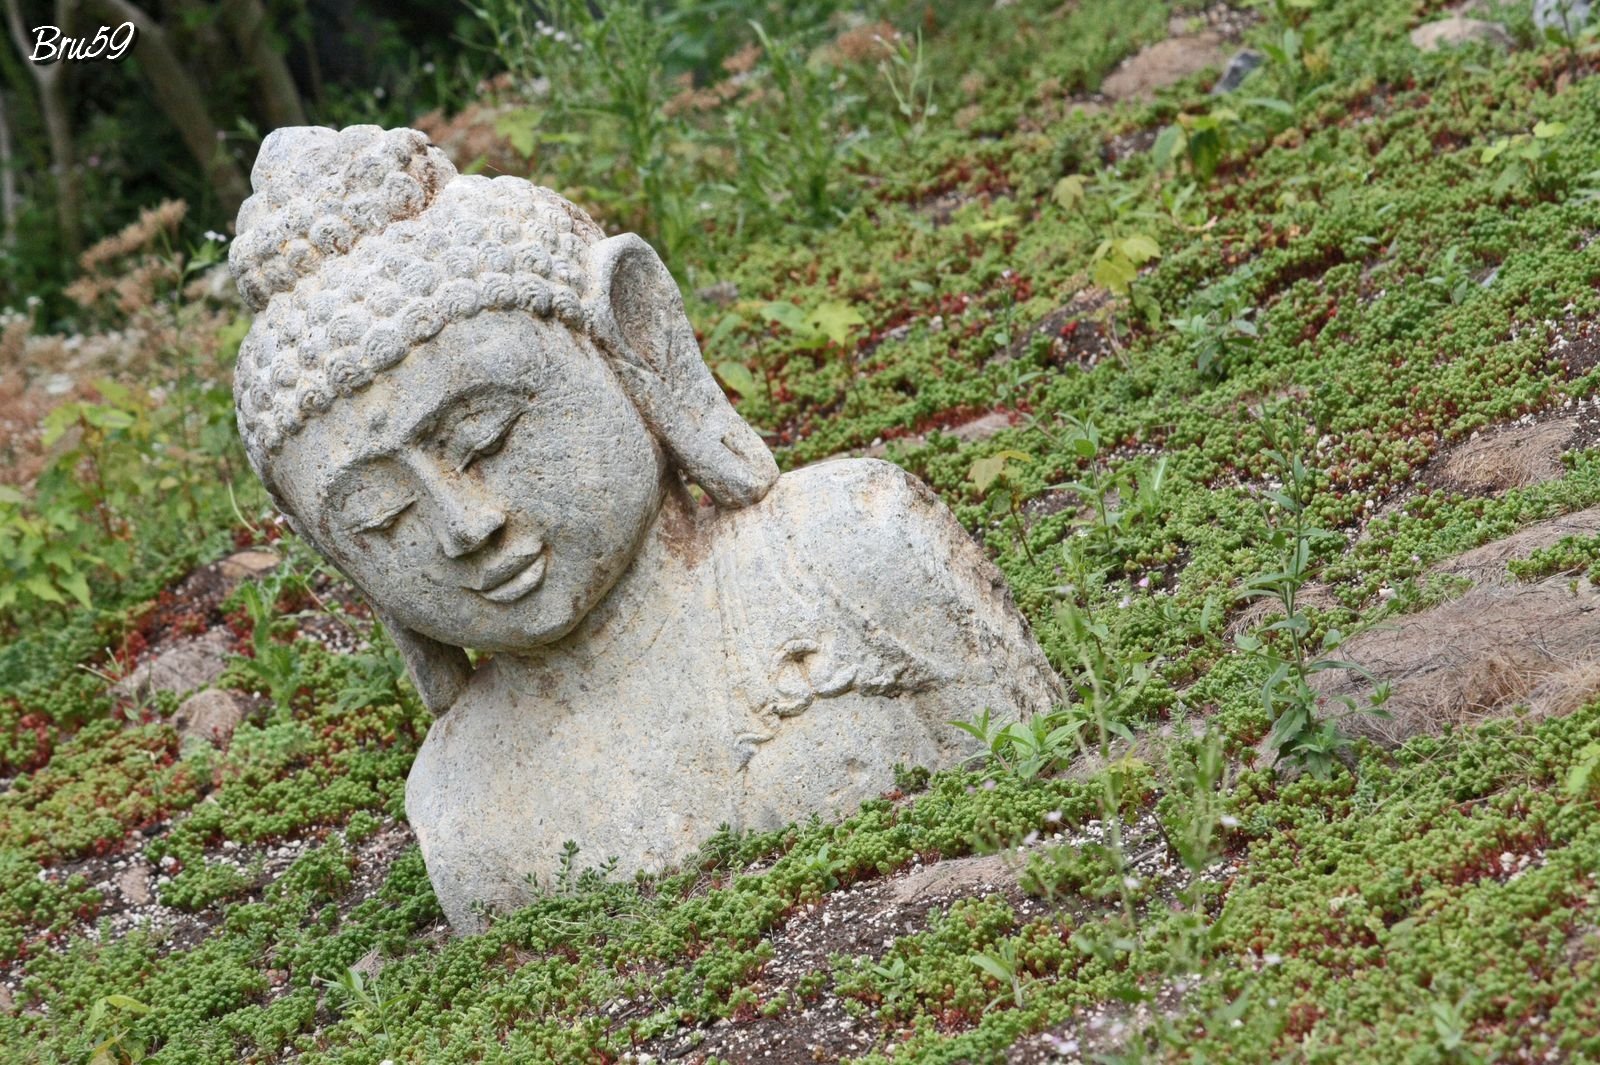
512 581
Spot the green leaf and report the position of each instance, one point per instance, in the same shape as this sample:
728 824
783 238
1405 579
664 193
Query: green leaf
11 495
994 968
990 225
58 421
1270 103
835 321
1139 248
107 417
725 327
737 376
1547 130
1069 191
78 586
1580 776
1115 274
40 586
787 315
1169 142
112 392
1205 151
986 471
520 129
123 1002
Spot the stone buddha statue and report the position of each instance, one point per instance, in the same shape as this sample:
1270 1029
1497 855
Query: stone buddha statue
491 418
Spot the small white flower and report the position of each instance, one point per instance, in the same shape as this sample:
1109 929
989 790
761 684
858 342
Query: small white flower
215 237
428 68
379 93
1228 821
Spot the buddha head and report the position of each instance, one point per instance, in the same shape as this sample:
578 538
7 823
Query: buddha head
462 394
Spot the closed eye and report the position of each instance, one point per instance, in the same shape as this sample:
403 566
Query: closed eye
492 443
384 522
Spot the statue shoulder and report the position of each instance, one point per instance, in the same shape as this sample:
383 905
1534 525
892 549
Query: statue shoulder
880 534
854 490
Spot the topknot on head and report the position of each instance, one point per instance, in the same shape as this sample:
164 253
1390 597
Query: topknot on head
319 191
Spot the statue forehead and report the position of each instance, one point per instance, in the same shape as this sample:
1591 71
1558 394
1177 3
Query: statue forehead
488 348
496 354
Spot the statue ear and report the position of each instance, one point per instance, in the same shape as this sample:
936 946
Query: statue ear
637 314
439 671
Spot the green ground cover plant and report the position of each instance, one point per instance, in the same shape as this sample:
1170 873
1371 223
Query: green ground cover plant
1222 333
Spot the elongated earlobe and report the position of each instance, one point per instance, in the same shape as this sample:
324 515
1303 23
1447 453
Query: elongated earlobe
637 314
439 671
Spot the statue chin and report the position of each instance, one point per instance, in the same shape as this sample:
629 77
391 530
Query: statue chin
481 410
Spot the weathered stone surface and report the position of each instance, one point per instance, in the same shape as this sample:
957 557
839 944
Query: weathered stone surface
723 293
210 715
957 876
1164 63
135 884
1456 31
1239 67
492 439
248 565
190 665
1568 16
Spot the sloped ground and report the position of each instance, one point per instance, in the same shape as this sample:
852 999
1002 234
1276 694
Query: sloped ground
240 886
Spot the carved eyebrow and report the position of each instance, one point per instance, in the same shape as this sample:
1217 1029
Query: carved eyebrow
429 424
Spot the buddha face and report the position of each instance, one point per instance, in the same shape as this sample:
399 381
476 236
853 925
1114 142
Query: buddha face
488 490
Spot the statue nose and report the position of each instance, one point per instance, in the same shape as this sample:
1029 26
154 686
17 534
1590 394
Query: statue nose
465 524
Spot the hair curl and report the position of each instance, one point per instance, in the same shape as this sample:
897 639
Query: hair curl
360 244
